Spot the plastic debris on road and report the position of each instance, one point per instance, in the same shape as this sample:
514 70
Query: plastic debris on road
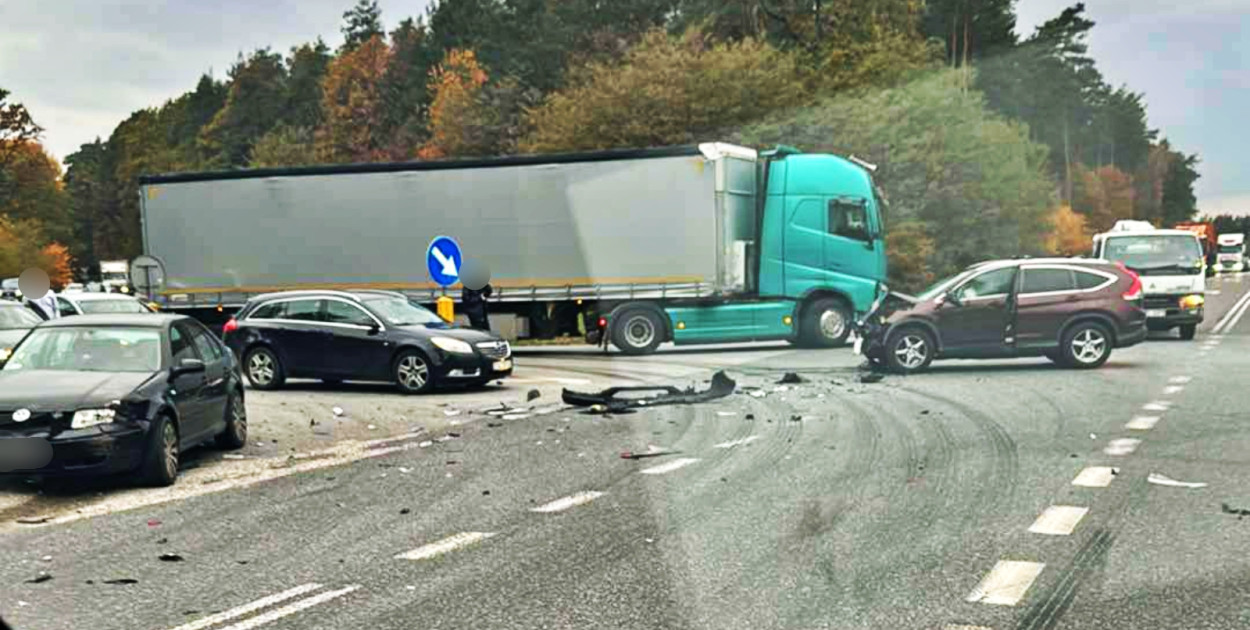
1240 512
726 413
122 581
233 456
532 394
606 400
38 579
338 411
515 416
451 412
170 557
1162 480
871 377
791 378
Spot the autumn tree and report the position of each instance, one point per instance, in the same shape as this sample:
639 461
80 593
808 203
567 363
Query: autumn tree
665 91
1069 234
1103 195
353 128
284 145
254 104
33 189
470 116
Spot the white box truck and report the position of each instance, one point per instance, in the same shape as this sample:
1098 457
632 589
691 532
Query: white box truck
1172 270
1230 255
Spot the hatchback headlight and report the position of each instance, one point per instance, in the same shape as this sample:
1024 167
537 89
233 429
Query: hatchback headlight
452 345
84 418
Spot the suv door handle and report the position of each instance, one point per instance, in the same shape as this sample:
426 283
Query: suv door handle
1072 298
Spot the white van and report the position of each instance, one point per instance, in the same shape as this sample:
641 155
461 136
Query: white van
1172 270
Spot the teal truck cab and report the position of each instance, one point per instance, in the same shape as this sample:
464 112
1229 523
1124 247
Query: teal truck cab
806 243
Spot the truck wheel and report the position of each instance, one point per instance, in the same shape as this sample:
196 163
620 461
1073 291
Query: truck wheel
1188 331
825 323
637 331
264 369
909 350
412 373
1086 345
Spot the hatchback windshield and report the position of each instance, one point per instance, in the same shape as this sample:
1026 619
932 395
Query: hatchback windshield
1155 252
89 350
17 317
401 312
93 307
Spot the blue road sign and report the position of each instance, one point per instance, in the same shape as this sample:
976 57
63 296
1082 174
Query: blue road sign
443 260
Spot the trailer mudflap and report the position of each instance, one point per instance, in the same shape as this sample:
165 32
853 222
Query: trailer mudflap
721 386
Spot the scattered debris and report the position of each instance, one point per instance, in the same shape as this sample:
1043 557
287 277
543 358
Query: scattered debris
532 394
781 389
721 386
38 579
790 378
241 561
1162 480
1093 436
515 416
338 411
122 581
486 493
46 558
599 408
924 412
1240 512
724 414
405 511
425 444
757 393
749 416
33 520
154 522
871 377
494 425
404 469
372 427
652 451
162 541
233 456
796 418
170 557
451 412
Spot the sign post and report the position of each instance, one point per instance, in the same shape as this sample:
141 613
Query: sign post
147 274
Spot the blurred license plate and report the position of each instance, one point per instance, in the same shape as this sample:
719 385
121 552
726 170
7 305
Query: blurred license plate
500 366
859 344
1156 312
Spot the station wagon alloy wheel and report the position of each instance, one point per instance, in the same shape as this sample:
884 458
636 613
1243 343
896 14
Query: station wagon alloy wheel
413 372
260 368
1089 345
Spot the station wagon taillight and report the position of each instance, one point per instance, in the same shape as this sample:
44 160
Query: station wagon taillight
231 326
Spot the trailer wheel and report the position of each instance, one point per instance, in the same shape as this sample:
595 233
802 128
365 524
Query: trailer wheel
825 323
637 331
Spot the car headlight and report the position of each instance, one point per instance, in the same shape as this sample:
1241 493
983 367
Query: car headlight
84 418
452 345
1192 301
5 353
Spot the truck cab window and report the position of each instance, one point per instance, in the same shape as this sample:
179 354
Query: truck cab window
848 219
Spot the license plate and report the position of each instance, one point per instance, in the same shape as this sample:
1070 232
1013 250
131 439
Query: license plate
859 345
505 364
1156 312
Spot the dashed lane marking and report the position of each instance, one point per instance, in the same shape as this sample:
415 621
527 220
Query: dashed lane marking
573 500
1058 520
1006 583
1173 389
291 609
1229 320
1095 477
1142 423
1157 405
669 467
964 626
448 544
1121 446
738 442
249 608
1180 380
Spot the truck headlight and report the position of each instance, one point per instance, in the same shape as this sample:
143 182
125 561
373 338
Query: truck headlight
5 353
452 345
84 418
1192 301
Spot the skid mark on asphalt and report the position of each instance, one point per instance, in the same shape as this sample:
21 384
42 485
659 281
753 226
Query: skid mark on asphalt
1058 520
573 500
1006 583
1050 606
446 545
738 442
266 602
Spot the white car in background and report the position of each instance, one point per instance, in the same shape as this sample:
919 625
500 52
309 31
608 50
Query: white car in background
97 303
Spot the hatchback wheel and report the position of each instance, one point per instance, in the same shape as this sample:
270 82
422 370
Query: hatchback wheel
909 350
235 434
160 457
1086 345
412 372
263 369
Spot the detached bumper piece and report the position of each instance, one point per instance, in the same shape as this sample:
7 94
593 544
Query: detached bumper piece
721 387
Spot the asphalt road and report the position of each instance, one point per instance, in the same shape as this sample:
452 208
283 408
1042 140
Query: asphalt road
944 500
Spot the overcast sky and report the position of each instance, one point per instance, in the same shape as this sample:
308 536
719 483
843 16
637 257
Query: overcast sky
81 66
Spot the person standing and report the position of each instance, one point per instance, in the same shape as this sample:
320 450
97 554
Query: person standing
474 302
45 306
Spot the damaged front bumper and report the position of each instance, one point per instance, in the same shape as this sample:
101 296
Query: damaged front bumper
869 331
608 400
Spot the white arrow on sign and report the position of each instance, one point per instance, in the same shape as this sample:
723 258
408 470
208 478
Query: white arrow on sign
449 264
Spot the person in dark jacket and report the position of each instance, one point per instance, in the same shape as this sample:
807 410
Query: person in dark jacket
474 302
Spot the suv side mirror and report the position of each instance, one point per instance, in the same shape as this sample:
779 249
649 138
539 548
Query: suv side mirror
952 298
187 366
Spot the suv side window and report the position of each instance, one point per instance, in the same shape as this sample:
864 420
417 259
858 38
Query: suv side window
990 283
303 310
1086 280
272 310
848 219
1045 280
204 342
180 344
343 313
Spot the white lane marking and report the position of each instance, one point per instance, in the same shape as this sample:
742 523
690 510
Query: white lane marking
739 442
669 467
1095 477
1121 446
1058 520
450 543
573 500
1157 405
1163 480
1229 319
1006 583
1142 423
239 611
1173 389
1213 291
291 609
1180 380
549 380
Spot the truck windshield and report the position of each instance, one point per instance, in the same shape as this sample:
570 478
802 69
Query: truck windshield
1232 249
1144 252
401 312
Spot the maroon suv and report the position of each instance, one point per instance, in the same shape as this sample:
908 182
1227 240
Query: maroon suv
1071 310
